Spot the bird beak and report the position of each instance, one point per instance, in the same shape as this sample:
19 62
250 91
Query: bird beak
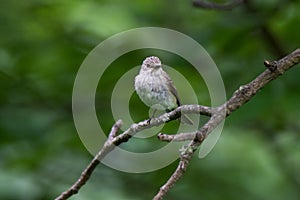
156 66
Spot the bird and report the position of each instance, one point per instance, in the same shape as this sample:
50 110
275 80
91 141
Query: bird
156 89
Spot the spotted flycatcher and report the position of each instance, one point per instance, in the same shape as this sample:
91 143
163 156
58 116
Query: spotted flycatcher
156 89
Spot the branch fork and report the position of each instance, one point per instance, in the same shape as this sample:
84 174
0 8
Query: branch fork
217 115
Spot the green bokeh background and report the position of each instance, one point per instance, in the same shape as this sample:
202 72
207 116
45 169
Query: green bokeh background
42 45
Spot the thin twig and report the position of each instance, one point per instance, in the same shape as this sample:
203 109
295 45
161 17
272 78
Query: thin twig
114 130
239 98
177 137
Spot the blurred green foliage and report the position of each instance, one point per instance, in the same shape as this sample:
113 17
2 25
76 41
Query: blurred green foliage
42 45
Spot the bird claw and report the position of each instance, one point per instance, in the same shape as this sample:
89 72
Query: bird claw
149 120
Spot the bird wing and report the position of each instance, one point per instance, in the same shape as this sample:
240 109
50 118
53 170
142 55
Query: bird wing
184 118
172 88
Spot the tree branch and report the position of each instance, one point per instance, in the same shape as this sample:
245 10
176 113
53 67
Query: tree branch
239 98
113 141
85 175
217 6
275 46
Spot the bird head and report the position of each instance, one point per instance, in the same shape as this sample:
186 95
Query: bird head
151 62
